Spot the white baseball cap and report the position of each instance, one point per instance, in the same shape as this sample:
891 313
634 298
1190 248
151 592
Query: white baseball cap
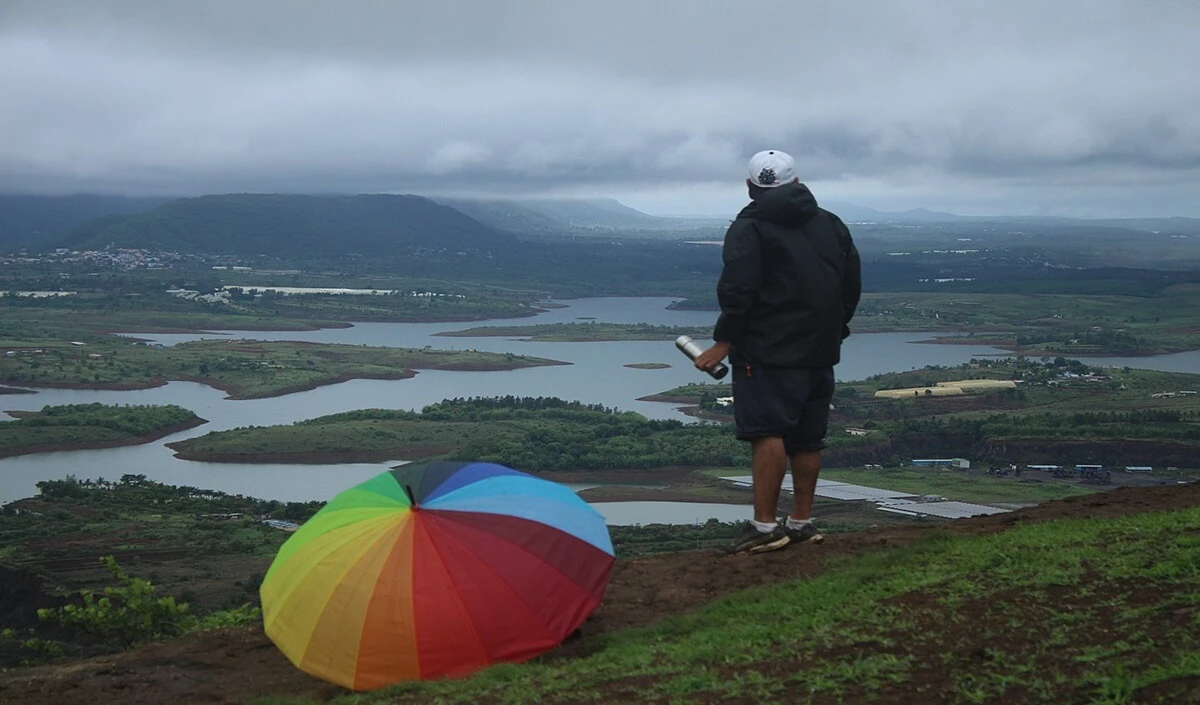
772 168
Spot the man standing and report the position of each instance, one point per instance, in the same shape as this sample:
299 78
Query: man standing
788 290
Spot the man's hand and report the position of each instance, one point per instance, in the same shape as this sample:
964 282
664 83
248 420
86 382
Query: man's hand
709 358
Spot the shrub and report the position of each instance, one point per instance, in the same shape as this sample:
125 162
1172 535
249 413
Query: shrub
125 615
130 614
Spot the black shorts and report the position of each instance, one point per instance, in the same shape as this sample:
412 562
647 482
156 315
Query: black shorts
788 402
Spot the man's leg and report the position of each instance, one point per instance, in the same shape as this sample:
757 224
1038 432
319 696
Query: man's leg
806 466
769 465
804 450
760 417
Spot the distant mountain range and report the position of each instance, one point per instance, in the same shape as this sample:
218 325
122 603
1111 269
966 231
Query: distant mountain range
250 224
850 212
390 224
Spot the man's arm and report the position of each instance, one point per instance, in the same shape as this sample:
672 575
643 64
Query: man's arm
851 276
737 288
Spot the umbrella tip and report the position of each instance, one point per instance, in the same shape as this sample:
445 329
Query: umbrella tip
411 500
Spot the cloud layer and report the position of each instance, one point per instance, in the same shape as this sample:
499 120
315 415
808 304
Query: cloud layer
1084 108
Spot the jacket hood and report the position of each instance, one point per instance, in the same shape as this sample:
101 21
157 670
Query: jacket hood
790 204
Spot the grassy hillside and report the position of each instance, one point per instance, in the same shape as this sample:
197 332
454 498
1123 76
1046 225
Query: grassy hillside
1095 610
1093 599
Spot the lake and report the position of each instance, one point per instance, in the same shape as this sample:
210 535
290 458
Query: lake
597 375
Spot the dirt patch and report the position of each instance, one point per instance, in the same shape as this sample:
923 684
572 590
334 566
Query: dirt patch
232 666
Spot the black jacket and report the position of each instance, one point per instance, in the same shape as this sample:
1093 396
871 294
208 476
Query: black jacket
791 282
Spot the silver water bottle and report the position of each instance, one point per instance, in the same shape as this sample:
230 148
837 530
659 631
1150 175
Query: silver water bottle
689 348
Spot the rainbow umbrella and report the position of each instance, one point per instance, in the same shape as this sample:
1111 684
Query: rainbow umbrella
435 570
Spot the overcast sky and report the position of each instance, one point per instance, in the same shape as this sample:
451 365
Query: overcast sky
972 106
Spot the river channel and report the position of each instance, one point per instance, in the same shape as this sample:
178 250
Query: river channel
597 374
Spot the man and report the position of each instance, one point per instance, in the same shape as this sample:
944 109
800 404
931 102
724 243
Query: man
788 290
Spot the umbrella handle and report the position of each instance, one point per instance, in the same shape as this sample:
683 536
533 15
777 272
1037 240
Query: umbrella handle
411 500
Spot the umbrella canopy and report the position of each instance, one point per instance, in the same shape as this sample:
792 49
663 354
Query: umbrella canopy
435 570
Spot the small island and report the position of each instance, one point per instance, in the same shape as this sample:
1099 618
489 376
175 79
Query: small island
244 369
533 434
89 426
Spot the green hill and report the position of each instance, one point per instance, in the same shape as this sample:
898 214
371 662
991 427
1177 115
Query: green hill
29 220
251 224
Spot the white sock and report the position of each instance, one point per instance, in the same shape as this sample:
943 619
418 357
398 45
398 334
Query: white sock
798 523
765 527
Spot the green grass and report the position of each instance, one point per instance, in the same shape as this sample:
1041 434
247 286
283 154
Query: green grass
1062 611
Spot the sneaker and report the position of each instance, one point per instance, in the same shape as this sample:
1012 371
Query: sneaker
751 540
805 534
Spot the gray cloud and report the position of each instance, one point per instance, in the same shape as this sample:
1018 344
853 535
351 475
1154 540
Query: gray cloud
1083 107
